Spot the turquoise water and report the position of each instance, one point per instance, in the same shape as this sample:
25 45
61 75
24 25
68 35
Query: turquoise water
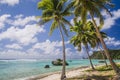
14 69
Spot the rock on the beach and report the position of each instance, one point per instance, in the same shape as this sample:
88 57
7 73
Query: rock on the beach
47 66
58 62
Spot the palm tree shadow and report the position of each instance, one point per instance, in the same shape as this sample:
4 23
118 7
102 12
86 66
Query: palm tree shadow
97 77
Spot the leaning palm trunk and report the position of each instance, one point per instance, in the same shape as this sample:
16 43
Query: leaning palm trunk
63 75
86 47
102 52
114 66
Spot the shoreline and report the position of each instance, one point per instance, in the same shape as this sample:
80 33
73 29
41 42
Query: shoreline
56 75
70 73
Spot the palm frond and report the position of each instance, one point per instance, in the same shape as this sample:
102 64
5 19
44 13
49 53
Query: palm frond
53 27
42 4
43 21
66 22
64 29
47 13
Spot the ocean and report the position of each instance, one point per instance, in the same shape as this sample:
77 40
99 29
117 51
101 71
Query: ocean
16 69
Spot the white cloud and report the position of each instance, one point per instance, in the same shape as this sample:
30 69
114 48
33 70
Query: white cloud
4 19
16 54
111 41
20 32
13 46
49 47
20 28
21 21
25 35
19 16
53 49
110 21
43 50
17 21
9 2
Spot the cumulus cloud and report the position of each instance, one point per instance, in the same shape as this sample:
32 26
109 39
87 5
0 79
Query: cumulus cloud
20 28
13 46
25 35
4 19
42 50
16 54
9 2
22 21
110 21
19 16
111 41
49 47
20 32
17 21
53 49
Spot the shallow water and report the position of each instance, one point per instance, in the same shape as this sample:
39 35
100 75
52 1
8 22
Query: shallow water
14 69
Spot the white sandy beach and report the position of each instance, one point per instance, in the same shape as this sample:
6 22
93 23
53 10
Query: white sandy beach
69 74
76 72
56 76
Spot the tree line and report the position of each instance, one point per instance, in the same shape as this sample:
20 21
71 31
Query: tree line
115 54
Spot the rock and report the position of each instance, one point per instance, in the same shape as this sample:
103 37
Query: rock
58 62
101 61
47 66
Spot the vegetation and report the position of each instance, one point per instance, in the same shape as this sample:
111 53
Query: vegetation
101 73
94 7
58 62
56 11
115 54
104 68
84 35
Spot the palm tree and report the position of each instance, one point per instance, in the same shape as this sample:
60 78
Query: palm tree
56 11
104 57
98 44
84 36
94 7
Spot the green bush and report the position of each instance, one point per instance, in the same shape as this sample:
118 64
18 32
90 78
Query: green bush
115 54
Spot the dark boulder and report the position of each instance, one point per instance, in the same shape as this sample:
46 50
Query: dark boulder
47 66
58 62
101 61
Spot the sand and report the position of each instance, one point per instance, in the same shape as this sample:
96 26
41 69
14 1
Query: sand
56 75
77 72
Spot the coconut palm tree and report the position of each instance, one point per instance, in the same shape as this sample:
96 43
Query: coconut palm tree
99 46
104 56
84 36
98 43
92 8
56 11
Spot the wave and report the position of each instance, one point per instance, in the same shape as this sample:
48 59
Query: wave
24 60
19 60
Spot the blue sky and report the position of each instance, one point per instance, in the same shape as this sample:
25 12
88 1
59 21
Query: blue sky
21 37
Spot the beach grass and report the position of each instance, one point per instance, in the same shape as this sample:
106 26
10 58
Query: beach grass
101 73
82 73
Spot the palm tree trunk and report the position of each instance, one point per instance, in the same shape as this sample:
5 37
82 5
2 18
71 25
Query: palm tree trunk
63 75
114 66
86 47
102 52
